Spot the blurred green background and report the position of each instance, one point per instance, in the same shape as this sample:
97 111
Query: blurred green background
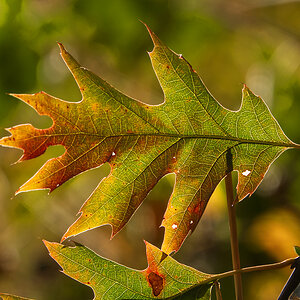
228 43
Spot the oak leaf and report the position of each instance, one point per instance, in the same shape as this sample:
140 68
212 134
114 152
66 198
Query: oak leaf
189 134
164 278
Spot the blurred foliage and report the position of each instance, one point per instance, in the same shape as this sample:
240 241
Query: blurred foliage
228 43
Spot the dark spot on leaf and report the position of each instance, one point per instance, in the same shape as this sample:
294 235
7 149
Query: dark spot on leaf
156 283
168 67
197 208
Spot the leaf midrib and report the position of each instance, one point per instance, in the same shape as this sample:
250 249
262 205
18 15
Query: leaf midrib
173 135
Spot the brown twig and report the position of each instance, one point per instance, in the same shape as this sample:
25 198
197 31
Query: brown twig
233 238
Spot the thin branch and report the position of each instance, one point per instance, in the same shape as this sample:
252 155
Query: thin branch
274 266
233 238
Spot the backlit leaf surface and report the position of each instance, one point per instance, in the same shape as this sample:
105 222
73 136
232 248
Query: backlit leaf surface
164 277
190 134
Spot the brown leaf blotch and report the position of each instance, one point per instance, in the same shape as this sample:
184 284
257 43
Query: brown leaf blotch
156 282
197 209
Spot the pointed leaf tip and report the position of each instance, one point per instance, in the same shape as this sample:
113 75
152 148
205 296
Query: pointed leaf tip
246 89
11 94
48 245
61 47
45 242
148 28
143 23
156 41
18 96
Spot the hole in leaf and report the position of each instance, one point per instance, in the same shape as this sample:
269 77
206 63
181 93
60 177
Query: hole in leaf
246 173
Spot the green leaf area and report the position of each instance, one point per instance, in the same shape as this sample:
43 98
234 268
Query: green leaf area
190 135
4 296
164 277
